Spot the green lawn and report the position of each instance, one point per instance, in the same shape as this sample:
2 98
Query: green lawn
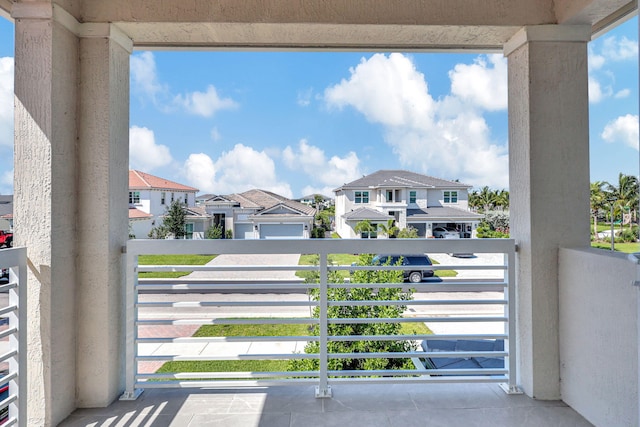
171 260
256 330
621 247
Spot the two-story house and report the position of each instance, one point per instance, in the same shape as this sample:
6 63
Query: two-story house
150 196
412 199
260 214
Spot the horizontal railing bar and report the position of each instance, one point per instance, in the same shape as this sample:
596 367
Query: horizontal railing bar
405 372
198 358
8 401
225 321
7 332
8 309
8 355
421 354
415 302
226 384
208 285
422 285
10 376
8 286
423 379
243 267
196 304
416 319
226 339
211 375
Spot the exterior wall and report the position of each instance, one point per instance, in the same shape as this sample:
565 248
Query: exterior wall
46 73
141 227
599 335
548 160
151 200
436 198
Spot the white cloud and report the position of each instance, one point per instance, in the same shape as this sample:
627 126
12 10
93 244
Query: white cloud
623 129
619 49
331 173
448 138
624 93
144 153
238 170
596 92
204 104
144 76
304 97
483 83
6 102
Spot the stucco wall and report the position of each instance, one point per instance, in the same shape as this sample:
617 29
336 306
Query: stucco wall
599 335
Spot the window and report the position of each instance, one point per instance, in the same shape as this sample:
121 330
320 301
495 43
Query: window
162 197
134 197
188 230
451 197
362 197
186 199
172 198
389 195
412 196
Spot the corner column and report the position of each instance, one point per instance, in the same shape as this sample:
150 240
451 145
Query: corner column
549 184
102 219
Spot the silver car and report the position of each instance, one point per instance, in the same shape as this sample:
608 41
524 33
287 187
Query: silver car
442 232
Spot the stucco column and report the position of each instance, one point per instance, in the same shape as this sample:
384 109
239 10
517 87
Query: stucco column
102 218
549 184
45 194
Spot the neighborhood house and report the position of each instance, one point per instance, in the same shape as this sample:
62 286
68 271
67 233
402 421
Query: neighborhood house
428 204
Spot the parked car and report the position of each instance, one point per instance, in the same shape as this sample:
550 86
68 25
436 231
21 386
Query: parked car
416 264
441 232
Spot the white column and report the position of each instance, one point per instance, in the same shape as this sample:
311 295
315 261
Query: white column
45 194
549 184
102 219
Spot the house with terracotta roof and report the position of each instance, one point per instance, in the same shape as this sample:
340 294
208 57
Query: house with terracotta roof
260 214
6 212
150 196
411 199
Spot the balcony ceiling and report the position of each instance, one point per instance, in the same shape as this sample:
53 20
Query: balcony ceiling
337 24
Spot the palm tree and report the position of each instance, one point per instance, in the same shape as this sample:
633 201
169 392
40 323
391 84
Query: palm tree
365 226
390 228
485 199
501 199
597 199
626 194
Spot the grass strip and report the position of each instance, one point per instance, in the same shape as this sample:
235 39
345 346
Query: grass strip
171 260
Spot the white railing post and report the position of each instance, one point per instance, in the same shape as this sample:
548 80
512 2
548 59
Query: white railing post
18 321
510 312
323 389
131 332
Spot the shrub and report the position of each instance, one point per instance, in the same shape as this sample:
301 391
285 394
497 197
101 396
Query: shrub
214 232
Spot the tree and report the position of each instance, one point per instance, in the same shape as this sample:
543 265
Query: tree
365 227
389 229
597 200
215 232
626 196
408 233
360 311
175 219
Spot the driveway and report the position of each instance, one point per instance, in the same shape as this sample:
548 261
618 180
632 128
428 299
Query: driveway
478 259
249 259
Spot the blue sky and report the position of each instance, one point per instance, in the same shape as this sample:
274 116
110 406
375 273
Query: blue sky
299 123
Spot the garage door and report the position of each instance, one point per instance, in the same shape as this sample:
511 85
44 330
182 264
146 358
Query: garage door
281 231
244 231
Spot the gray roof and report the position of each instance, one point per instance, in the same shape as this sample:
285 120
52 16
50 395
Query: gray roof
436 212
263 200
400 178
361 214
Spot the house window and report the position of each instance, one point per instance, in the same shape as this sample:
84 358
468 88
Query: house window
412 196
188 230
172 198
451 197
186 199
362 197
389 195
134 197
162 197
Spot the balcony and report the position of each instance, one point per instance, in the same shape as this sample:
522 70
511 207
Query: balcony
598 326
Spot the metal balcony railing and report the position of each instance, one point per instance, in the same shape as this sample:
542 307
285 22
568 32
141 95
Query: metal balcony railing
13 322
250 294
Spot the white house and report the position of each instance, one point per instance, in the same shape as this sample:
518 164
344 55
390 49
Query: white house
150 196
412 199
260 214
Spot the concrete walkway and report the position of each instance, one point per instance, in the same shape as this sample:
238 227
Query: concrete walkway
249 259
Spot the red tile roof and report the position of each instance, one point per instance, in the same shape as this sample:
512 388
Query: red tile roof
138 214
144 181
